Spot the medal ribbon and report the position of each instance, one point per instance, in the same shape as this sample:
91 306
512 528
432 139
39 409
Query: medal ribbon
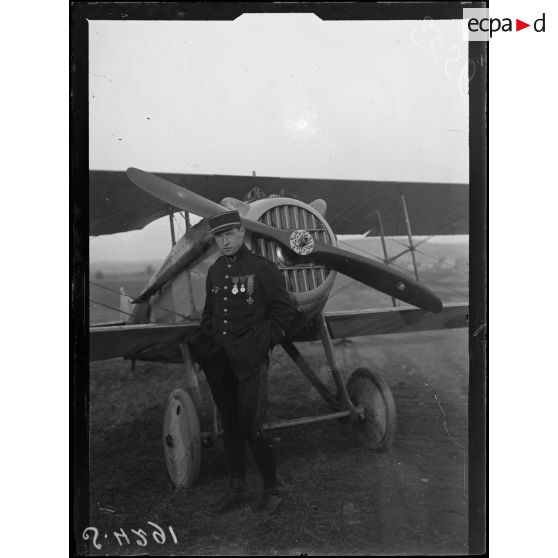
250 288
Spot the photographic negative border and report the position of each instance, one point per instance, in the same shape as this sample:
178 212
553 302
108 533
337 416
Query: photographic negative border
478 222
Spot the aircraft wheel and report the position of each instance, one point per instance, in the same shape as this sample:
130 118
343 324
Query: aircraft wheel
181 439
368 389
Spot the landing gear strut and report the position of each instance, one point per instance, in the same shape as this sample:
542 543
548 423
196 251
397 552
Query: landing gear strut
366 399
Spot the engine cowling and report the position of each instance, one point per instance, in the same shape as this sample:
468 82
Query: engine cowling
308 283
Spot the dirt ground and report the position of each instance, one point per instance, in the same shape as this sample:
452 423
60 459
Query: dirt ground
340 498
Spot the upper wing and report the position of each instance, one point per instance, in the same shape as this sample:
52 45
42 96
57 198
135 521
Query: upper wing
391 320
116 205
142 341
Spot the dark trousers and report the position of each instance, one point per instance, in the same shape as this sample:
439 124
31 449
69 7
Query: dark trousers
242 405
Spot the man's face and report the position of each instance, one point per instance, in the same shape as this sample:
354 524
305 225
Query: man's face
230 241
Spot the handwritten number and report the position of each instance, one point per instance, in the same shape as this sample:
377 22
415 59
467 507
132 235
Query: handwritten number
140 533
158 534
85 536
121 534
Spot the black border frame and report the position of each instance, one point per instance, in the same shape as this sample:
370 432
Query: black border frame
80 13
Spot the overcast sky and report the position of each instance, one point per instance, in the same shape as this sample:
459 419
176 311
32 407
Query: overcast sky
282 94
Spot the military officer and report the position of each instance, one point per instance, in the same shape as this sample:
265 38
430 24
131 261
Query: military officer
247 310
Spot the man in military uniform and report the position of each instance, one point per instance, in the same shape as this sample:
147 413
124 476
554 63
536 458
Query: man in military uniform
247 310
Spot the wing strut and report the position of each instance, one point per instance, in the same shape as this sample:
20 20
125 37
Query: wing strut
173 236
411 248
383 237
409 235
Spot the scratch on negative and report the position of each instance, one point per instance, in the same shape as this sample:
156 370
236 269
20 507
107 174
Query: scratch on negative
479 329
445 425
451 437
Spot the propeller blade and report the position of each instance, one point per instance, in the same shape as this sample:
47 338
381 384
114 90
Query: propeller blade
377 275
199 248
366 270
172 194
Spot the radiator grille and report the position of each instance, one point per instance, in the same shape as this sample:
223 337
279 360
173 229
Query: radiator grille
300 276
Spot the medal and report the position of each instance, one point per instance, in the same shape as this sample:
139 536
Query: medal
235 287
242 287
215 290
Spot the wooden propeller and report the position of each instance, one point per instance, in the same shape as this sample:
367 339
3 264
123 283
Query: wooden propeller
369 272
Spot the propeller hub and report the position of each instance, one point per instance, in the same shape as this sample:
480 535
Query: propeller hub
302 242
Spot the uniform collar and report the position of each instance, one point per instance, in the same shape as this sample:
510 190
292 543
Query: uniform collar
242 251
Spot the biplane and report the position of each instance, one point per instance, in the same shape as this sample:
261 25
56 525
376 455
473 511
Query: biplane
298 237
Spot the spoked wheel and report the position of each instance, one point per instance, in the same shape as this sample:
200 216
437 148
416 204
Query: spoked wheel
369 390
181 439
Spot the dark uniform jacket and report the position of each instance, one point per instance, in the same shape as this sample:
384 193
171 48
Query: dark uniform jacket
247 311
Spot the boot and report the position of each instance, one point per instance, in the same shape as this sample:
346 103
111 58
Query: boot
269 501
233 497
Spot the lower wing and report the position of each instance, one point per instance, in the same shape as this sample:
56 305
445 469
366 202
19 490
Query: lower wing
141 342
160 342
391 320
